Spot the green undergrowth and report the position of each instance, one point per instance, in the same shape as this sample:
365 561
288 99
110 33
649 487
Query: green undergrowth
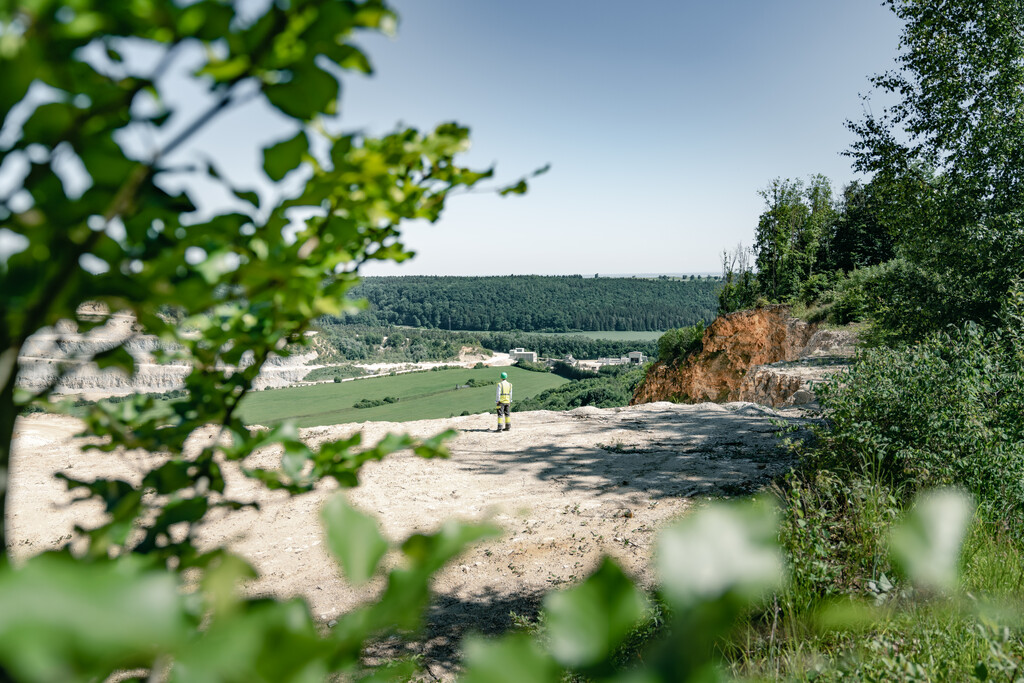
334 372
943 412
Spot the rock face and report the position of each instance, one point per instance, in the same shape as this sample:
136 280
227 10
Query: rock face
789 383
55 357
731 345
763 355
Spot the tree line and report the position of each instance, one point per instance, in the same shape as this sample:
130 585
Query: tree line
536 303
337 343
933 235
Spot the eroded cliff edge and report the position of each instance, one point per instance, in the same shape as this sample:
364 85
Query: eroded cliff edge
762 355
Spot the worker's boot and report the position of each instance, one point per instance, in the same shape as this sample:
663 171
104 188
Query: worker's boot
508 427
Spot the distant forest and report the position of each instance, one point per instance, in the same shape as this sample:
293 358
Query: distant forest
537 303
343 343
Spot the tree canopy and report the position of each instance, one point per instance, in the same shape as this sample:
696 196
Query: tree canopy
949 153
536 303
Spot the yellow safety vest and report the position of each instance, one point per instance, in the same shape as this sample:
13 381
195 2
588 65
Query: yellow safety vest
504 391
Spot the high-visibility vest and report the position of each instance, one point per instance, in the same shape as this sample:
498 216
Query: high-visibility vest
504 391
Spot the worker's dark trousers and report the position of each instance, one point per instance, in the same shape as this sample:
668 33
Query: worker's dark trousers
505 413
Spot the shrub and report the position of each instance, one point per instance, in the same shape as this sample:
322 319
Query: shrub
374 402
948 410
334 372
677 344
572 372
600 391
532 367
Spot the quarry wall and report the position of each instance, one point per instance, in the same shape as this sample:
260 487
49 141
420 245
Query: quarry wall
762 355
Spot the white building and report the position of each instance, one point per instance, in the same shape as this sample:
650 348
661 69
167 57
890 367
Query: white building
523 354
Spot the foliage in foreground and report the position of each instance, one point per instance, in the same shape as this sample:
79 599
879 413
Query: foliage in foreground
90 220
714 566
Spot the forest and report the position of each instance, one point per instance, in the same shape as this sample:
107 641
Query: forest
354 342
536 303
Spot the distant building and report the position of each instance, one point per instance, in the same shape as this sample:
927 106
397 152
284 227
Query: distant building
523 354
633 358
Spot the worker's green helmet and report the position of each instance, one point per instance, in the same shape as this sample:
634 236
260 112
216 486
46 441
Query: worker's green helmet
504 375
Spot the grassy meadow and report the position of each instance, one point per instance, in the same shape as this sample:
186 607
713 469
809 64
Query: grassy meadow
422 396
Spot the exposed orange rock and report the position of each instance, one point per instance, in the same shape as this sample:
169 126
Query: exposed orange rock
731 346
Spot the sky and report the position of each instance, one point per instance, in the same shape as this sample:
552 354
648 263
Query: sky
661 122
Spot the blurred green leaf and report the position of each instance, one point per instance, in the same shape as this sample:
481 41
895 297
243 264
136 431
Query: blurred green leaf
724 548
353 539
285 156
516 188
927 543
309 91
432 551
62 619
512 659
586 623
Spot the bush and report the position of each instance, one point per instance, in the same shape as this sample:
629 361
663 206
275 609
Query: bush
949 410
676 344
532 367
606 391
374 402
572 372
816 287
334 372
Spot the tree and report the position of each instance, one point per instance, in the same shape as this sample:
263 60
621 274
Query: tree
93 221
952 146
739 290
859 236
789 235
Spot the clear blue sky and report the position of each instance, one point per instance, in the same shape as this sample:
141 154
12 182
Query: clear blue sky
661 121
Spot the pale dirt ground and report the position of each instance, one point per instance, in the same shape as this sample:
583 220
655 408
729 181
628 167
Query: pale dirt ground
567 488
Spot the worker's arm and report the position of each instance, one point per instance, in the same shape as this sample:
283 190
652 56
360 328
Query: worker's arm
497 393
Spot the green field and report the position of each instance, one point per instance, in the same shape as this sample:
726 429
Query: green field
423 396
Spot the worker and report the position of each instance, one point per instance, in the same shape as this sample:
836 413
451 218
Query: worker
503 397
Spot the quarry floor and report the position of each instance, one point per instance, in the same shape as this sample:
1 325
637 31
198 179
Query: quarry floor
566 487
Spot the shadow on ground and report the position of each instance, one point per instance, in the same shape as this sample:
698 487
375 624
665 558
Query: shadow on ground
659 454
450 620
